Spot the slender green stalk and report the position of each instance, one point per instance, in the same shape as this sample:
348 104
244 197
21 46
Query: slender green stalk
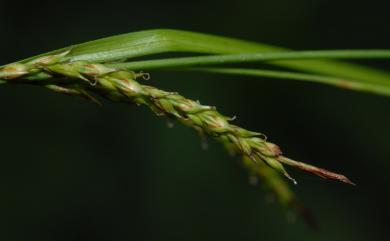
333 81
377 86
199 61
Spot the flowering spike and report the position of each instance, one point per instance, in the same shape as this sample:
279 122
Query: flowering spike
121 85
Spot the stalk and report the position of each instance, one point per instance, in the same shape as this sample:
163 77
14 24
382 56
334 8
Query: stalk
344 83
198 61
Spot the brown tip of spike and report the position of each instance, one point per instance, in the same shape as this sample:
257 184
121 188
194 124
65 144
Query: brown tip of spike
316 170
329 175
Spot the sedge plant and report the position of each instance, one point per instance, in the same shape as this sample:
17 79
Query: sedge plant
107 67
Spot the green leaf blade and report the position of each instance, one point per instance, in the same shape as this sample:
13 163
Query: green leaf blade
124 47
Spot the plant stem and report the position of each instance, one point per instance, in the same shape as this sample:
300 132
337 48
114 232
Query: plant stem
334 81
252 57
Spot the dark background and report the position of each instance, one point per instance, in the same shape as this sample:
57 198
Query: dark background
70 170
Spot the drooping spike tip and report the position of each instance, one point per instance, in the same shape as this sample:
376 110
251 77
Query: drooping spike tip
316 170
